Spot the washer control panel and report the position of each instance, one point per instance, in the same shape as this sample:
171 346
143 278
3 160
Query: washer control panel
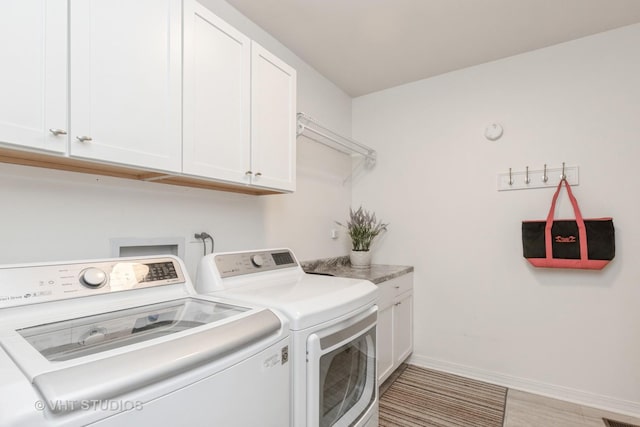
23 285
237 264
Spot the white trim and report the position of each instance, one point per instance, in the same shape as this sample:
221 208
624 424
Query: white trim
580 397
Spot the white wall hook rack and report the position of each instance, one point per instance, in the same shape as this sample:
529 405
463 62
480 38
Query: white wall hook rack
539 178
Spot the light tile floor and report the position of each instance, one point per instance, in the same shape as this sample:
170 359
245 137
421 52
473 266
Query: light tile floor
531 410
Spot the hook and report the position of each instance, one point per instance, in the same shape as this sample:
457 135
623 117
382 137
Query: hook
563 176
527 180
545 177
510 178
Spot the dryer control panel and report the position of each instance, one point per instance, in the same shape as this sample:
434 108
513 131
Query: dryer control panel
29 284
239 263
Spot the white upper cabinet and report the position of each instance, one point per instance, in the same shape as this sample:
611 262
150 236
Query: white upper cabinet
33 74
126 82
153 85
273 121
239 106
217 96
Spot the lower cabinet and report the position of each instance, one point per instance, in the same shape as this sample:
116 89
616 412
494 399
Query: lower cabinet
395 324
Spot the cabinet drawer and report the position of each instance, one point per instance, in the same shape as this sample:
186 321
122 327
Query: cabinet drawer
390 289
401 284
386 294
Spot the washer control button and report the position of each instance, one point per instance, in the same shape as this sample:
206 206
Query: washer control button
93 277
257 260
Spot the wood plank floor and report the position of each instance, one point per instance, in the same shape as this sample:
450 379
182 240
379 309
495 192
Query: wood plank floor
417 397
531 410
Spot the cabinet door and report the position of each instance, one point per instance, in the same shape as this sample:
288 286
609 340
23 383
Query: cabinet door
217 96
33 75
403 327
273 121
384 341
126 82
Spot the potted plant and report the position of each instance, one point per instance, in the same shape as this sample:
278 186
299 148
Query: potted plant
362 227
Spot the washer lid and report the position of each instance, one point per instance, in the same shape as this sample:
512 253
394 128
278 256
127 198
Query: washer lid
70 339
107 378
100 357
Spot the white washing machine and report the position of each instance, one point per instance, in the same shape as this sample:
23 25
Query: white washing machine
333 327
127 342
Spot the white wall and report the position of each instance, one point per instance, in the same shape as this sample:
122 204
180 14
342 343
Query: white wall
52 215
480 308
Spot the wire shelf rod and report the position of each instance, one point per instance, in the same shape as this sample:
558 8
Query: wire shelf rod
331 139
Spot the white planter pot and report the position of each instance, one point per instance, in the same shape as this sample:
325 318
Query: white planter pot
360 259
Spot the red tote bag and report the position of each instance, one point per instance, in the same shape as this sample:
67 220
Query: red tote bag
580 244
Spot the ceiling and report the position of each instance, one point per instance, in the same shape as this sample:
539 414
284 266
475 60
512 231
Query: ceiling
368 45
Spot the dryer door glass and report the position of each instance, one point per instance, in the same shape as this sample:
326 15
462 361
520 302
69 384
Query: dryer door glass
83 336
347 380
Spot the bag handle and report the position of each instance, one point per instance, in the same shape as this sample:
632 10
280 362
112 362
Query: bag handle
582 231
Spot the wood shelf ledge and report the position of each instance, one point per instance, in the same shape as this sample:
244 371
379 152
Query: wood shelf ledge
69 164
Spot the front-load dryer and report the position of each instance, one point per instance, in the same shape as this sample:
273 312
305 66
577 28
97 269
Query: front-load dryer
333 328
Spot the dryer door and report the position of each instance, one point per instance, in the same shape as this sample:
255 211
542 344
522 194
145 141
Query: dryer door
342 373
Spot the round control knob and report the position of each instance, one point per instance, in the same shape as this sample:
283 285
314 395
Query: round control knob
93 277
257 260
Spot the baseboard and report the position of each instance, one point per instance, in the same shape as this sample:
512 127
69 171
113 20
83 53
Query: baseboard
606 403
